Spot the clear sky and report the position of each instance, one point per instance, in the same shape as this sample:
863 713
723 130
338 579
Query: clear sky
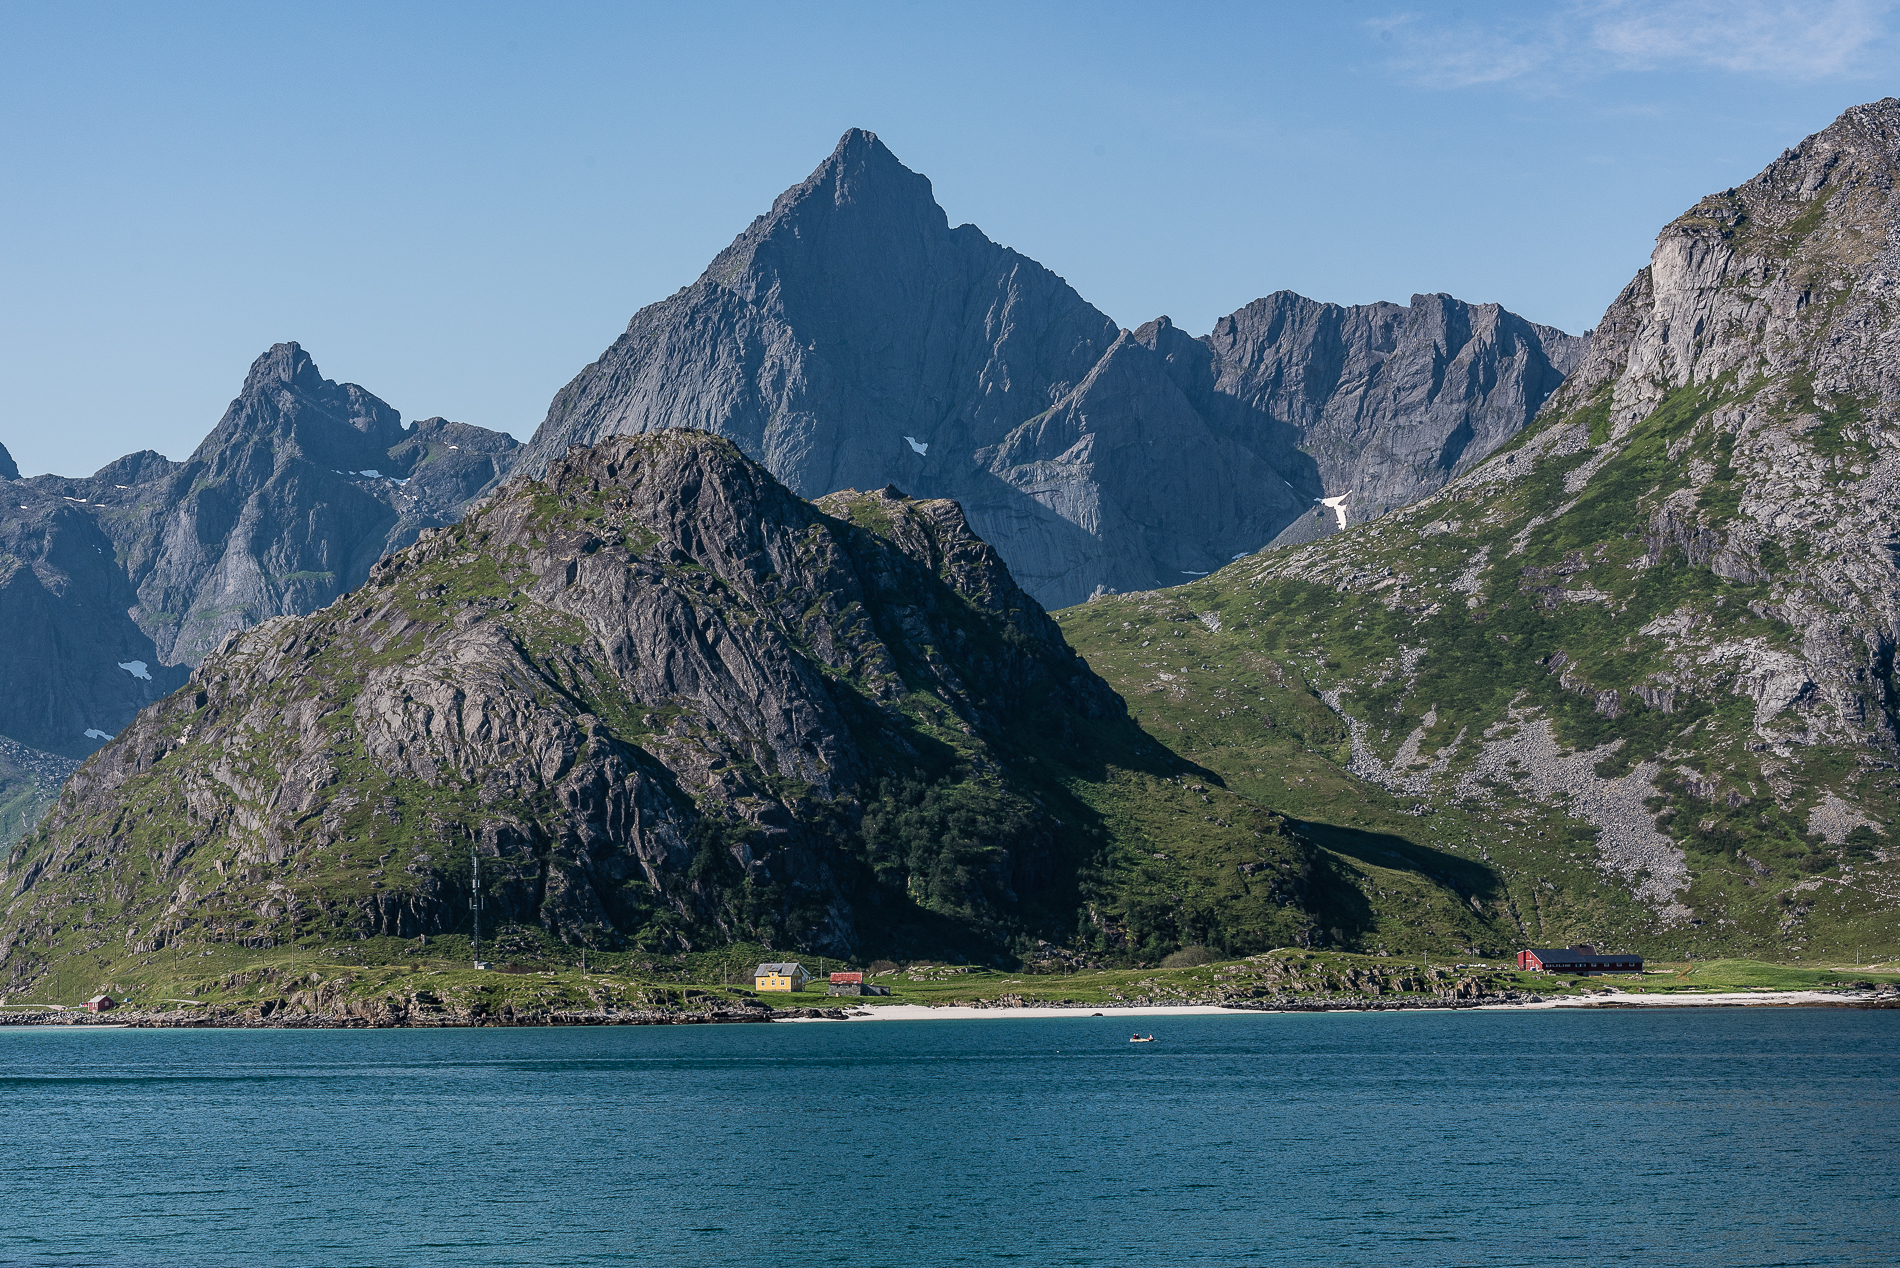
458 206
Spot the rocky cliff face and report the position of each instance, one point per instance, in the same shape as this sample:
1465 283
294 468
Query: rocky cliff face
113 585
852 337
1664 621
662 702
77 666
1390 401
9 470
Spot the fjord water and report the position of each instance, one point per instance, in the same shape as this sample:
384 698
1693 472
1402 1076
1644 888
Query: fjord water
1717 1137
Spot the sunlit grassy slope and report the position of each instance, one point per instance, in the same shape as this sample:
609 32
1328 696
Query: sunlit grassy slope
1494 607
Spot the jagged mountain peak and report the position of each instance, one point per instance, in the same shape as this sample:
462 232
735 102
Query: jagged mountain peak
1390 400
9 470
286 398
282 365
851 338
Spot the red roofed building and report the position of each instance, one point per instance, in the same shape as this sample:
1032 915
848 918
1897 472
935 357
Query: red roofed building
1582 958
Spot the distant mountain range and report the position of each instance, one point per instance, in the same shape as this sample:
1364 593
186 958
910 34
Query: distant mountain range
113 585
848 338
851 337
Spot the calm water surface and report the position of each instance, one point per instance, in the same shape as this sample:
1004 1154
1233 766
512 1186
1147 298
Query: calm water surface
1707 1137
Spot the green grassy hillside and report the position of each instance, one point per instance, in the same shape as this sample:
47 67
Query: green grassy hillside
1475 694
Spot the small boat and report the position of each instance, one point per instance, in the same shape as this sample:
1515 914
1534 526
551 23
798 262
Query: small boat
1139 1039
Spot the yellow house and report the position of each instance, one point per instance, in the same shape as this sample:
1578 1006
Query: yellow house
780 977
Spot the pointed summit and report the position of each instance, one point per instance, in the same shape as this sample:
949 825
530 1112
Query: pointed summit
851 338
286 398
9 470
848 316
282 365
863 167
859 221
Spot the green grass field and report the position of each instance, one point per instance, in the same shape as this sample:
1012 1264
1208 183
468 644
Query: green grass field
364 974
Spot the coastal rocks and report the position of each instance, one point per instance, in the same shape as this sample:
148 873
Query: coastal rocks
270 1015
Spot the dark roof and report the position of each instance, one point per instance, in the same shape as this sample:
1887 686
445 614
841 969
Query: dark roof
787 967
1570 953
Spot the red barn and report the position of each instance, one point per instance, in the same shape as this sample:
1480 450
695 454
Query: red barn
100 1003
846 979
1582 958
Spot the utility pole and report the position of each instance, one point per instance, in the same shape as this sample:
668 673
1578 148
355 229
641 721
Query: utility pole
475 902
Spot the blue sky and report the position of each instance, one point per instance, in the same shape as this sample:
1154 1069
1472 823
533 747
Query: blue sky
459 206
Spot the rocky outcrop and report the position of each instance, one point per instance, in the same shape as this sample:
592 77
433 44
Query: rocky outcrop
9 470
852 337
655 697
112 586
1763 330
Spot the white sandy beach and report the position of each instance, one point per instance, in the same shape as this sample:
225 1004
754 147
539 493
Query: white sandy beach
959 1012
1724 998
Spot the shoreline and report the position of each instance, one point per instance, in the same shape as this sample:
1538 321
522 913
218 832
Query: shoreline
181 1020
1725 999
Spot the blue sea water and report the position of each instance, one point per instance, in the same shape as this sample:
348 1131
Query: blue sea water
1705 1137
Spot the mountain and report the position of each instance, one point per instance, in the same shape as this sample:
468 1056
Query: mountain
851 338
1639 663
113 585
665 704
1390 402
9 470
